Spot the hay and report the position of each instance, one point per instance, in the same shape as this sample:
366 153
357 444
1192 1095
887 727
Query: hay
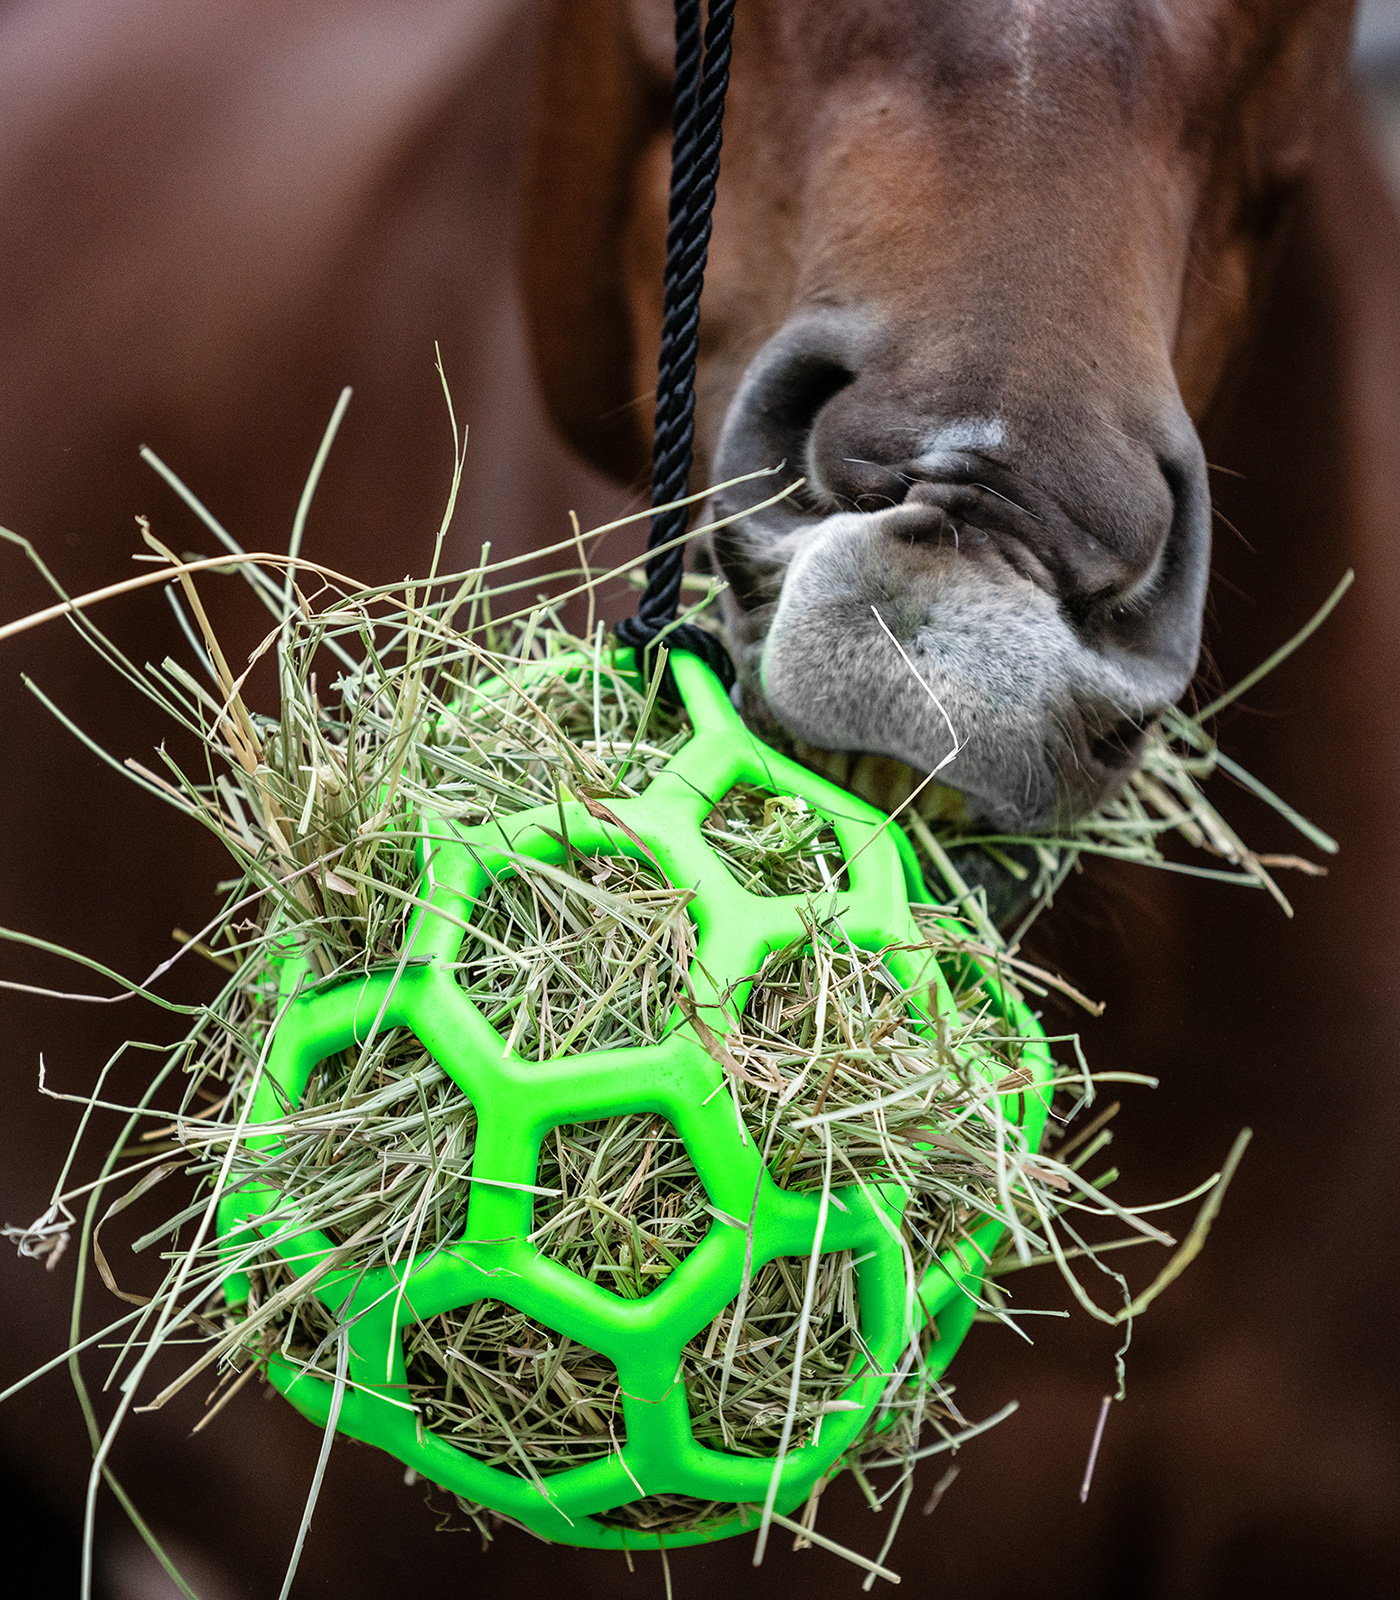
397 701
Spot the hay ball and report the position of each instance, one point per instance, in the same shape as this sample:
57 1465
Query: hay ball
621 1146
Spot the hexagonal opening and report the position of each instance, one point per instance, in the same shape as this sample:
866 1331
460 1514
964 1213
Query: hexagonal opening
840 1074
586 956
495 741
827 1028
745 1414
600 719
388 1107
630 1205
379 1149
775 844
510 1391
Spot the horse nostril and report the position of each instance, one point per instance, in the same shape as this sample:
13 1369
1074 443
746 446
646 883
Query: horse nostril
778 406
1121 745
799 389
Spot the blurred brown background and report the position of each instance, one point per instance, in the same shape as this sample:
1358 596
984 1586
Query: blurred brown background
213 217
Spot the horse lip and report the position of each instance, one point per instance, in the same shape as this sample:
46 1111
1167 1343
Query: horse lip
1039 540
968 527
969 498
1027 702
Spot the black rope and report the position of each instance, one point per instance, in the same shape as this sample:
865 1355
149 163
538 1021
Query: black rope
702 77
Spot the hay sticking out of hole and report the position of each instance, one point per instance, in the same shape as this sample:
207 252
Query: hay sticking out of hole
623 1205
512 1392
567 961
774 844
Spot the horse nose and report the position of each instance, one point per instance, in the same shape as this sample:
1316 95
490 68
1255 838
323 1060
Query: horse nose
773 416
1093 492
1076 502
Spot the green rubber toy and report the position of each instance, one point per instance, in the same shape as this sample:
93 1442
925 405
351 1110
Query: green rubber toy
518 1102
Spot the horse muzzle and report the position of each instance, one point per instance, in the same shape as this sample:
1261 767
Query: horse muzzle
963 582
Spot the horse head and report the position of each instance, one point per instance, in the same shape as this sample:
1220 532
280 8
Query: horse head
979 270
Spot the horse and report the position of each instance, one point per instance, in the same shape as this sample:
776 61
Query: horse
1255 1451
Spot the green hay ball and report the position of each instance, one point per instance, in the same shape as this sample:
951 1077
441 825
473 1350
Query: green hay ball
518 1102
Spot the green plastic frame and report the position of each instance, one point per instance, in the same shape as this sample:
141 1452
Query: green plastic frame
518 1102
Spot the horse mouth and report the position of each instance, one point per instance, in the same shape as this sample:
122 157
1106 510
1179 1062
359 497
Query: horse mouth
889 785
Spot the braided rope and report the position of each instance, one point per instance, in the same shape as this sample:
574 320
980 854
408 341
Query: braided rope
702 78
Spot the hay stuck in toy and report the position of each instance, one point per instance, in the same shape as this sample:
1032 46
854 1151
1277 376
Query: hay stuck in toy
592 953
